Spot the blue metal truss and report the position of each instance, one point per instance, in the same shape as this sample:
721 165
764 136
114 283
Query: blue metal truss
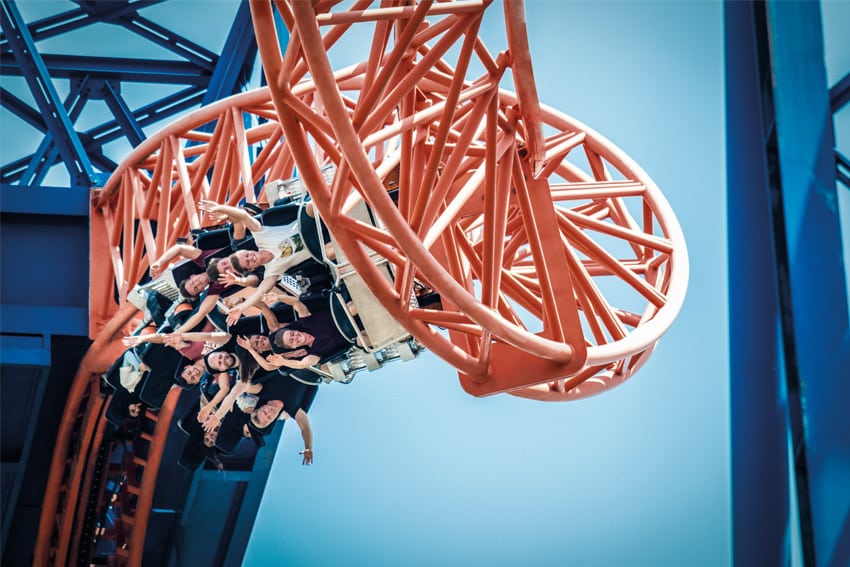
199 77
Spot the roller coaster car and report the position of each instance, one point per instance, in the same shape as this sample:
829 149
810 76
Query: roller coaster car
358 315
279 191
160 297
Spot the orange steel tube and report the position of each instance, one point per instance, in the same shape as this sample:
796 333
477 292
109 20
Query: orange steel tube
149 476
90 422
92 363
449 109
312 178
348 140
526 88
443 8
375 89
429 119
88 478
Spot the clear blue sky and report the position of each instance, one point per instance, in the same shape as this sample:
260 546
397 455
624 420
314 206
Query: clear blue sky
411 471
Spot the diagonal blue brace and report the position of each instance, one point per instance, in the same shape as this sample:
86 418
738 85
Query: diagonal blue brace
53 111
234 66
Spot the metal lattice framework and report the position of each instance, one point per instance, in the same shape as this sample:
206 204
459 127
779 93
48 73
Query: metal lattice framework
73 130
514 229
559 262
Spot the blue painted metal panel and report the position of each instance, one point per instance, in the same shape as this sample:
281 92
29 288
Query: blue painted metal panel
44 261
23 356
49 320
814 296
253 496
38 200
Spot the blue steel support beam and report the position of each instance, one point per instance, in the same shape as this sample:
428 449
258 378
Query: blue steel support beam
810 272
115 68
761 512
157 34
48 152
839 94
842 169
123 114
97 137
210 77
22 110
237 58
47 99
78 18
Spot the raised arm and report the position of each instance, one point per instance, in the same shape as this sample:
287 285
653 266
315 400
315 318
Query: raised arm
232 278
307 434
265 285
300 307
176 338
217 337
226 405
233 214
206 306
296 364
223 389
245 343
271 319
183 250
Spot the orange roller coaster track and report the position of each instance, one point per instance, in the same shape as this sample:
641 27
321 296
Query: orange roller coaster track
558 260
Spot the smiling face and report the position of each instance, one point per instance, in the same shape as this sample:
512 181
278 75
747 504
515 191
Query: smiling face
295 339
265 415
192 373
260 343
248 259
224 265
196 284
134 409
221 361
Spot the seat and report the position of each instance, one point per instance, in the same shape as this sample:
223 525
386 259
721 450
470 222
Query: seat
212 238
291 190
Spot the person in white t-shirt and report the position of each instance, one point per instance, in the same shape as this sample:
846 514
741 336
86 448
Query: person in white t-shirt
279 249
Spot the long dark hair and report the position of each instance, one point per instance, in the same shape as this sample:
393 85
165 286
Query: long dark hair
246 363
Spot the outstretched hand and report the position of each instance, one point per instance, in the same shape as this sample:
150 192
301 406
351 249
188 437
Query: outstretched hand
213 209
204 413
271 298
228 278
244 342
211 423
133 340
233 316
308 456
175 341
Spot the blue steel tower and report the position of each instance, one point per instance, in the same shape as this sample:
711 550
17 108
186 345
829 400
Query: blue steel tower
77 84
789 340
